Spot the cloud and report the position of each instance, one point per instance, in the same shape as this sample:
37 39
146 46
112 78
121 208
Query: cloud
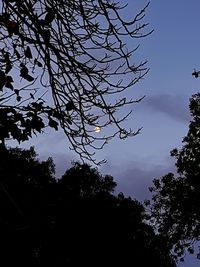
174 106
135 182
134 178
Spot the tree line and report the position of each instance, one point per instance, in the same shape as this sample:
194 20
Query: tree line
74 220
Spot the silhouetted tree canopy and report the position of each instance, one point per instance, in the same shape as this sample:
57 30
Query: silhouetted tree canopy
82 180
176 198
66 63
75 220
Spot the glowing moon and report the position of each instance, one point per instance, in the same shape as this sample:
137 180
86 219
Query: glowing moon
97 129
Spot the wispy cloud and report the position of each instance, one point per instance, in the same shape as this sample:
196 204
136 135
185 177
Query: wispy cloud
174 106
135 182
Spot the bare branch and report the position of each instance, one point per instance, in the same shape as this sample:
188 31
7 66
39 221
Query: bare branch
76 52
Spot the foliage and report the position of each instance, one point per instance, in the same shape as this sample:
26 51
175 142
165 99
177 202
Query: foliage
82 180
25 167
176 198
63 63
54 224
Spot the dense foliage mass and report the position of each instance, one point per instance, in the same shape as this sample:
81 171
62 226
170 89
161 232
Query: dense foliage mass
72 221
176 198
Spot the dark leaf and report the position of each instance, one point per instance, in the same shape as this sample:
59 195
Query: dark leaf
16 92
70 106
16 132
24 73
9 79
39 64
23 70
9 85
32 96
28 53
191 250
18 117
53 124
8 66
49 16
18 98
29 78
37 106
2 79
12 27
37 123
46 35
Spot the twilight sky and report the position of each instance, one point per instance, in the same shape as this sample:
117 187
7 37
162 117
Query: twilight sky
172 52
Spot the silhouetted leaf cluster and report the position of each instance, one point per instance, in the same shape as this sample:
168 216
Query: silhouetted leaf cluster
19 124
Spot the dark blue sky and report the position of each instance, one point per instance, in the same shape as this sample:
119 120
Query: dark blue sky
173 52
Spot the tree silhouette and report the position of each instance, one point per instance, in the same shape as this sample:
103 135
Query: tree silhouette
63 63
70 222
82 180
176 199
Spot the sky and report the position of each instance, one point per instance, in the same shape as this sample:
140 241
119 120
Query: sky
172 52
